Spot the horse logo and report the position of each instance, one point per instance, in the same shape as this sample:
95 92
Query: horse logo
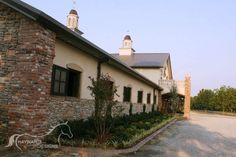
36 140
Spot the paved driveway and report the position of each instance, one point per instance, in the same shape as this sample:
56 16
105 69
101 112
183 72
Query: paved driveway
202 136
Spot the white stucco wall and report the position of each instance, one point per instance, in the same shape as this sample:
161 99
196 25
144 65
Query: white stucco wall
152 74
168 70
66 54
121 79
156 74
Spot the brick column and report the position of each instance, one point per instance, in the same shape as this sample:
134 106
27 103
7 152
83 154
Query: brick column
159 102
187 97
27 52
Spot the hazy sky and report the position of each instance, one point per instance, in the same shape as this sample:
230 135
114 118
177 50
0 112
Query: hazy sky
200 35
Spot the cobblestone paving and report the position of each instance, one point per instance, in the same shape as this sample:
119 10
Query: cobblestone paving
202 136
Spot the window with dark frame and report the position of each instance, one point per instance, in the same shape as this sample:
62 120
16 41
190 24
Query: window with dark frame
65 82
140 97
148 98
127 94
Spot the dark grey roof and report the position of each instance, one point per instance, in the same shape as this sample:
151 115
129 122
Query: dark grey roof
127 37
144 60
73 11
65 34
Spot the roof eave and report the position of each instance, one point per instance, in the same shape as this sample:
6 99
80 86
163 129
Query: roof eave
148 67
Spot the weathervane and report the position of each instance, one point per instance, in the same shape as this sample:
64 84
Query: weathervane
74 3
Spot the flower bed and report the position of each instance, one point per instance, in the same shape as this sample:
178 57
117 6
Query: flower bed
125 132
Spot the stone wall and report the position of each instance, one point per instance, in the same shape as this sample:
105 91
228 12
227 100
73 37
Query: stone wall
136 107
27 50
68 108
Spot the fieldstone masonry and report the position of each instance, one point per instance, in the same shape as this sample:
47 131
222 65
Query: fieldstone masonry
136 107
27 50
68 108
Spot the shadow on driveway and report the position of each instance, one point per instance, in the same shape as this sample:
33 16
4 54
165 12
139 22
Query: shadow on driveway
194 139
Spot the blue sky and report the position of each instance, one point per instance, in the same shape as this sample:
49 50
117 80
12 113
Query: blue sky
200 35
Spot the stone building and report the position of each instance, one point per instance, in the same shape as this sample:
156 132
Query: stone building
45 68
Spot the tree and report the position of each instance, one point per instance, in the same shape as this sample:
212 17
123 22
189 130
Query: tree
203 100
225 99
174 99
104 91
222 99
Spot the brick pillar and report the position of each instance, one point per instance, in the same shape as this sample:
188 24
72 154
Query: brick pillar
27 51
159 102
187 97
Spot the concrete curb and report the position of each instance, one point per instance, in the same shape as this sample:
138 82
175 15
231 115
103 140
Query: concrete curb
145 140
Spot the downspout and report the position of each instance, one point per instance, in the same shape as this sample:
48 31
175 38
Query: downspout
154 90
100 62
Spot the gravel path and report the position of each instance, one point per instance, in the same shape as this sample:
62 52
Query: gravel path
204 135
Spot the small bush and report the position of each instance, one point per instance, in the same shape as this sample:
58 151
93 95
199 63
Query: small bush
2 140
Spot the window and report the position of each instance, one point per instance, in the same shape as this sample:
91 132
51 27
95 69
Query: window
148 98
65 82
127 94
140 97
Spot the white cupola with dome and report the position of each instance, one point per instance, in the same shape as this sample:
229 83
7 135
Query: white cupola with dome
126 48
73 21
